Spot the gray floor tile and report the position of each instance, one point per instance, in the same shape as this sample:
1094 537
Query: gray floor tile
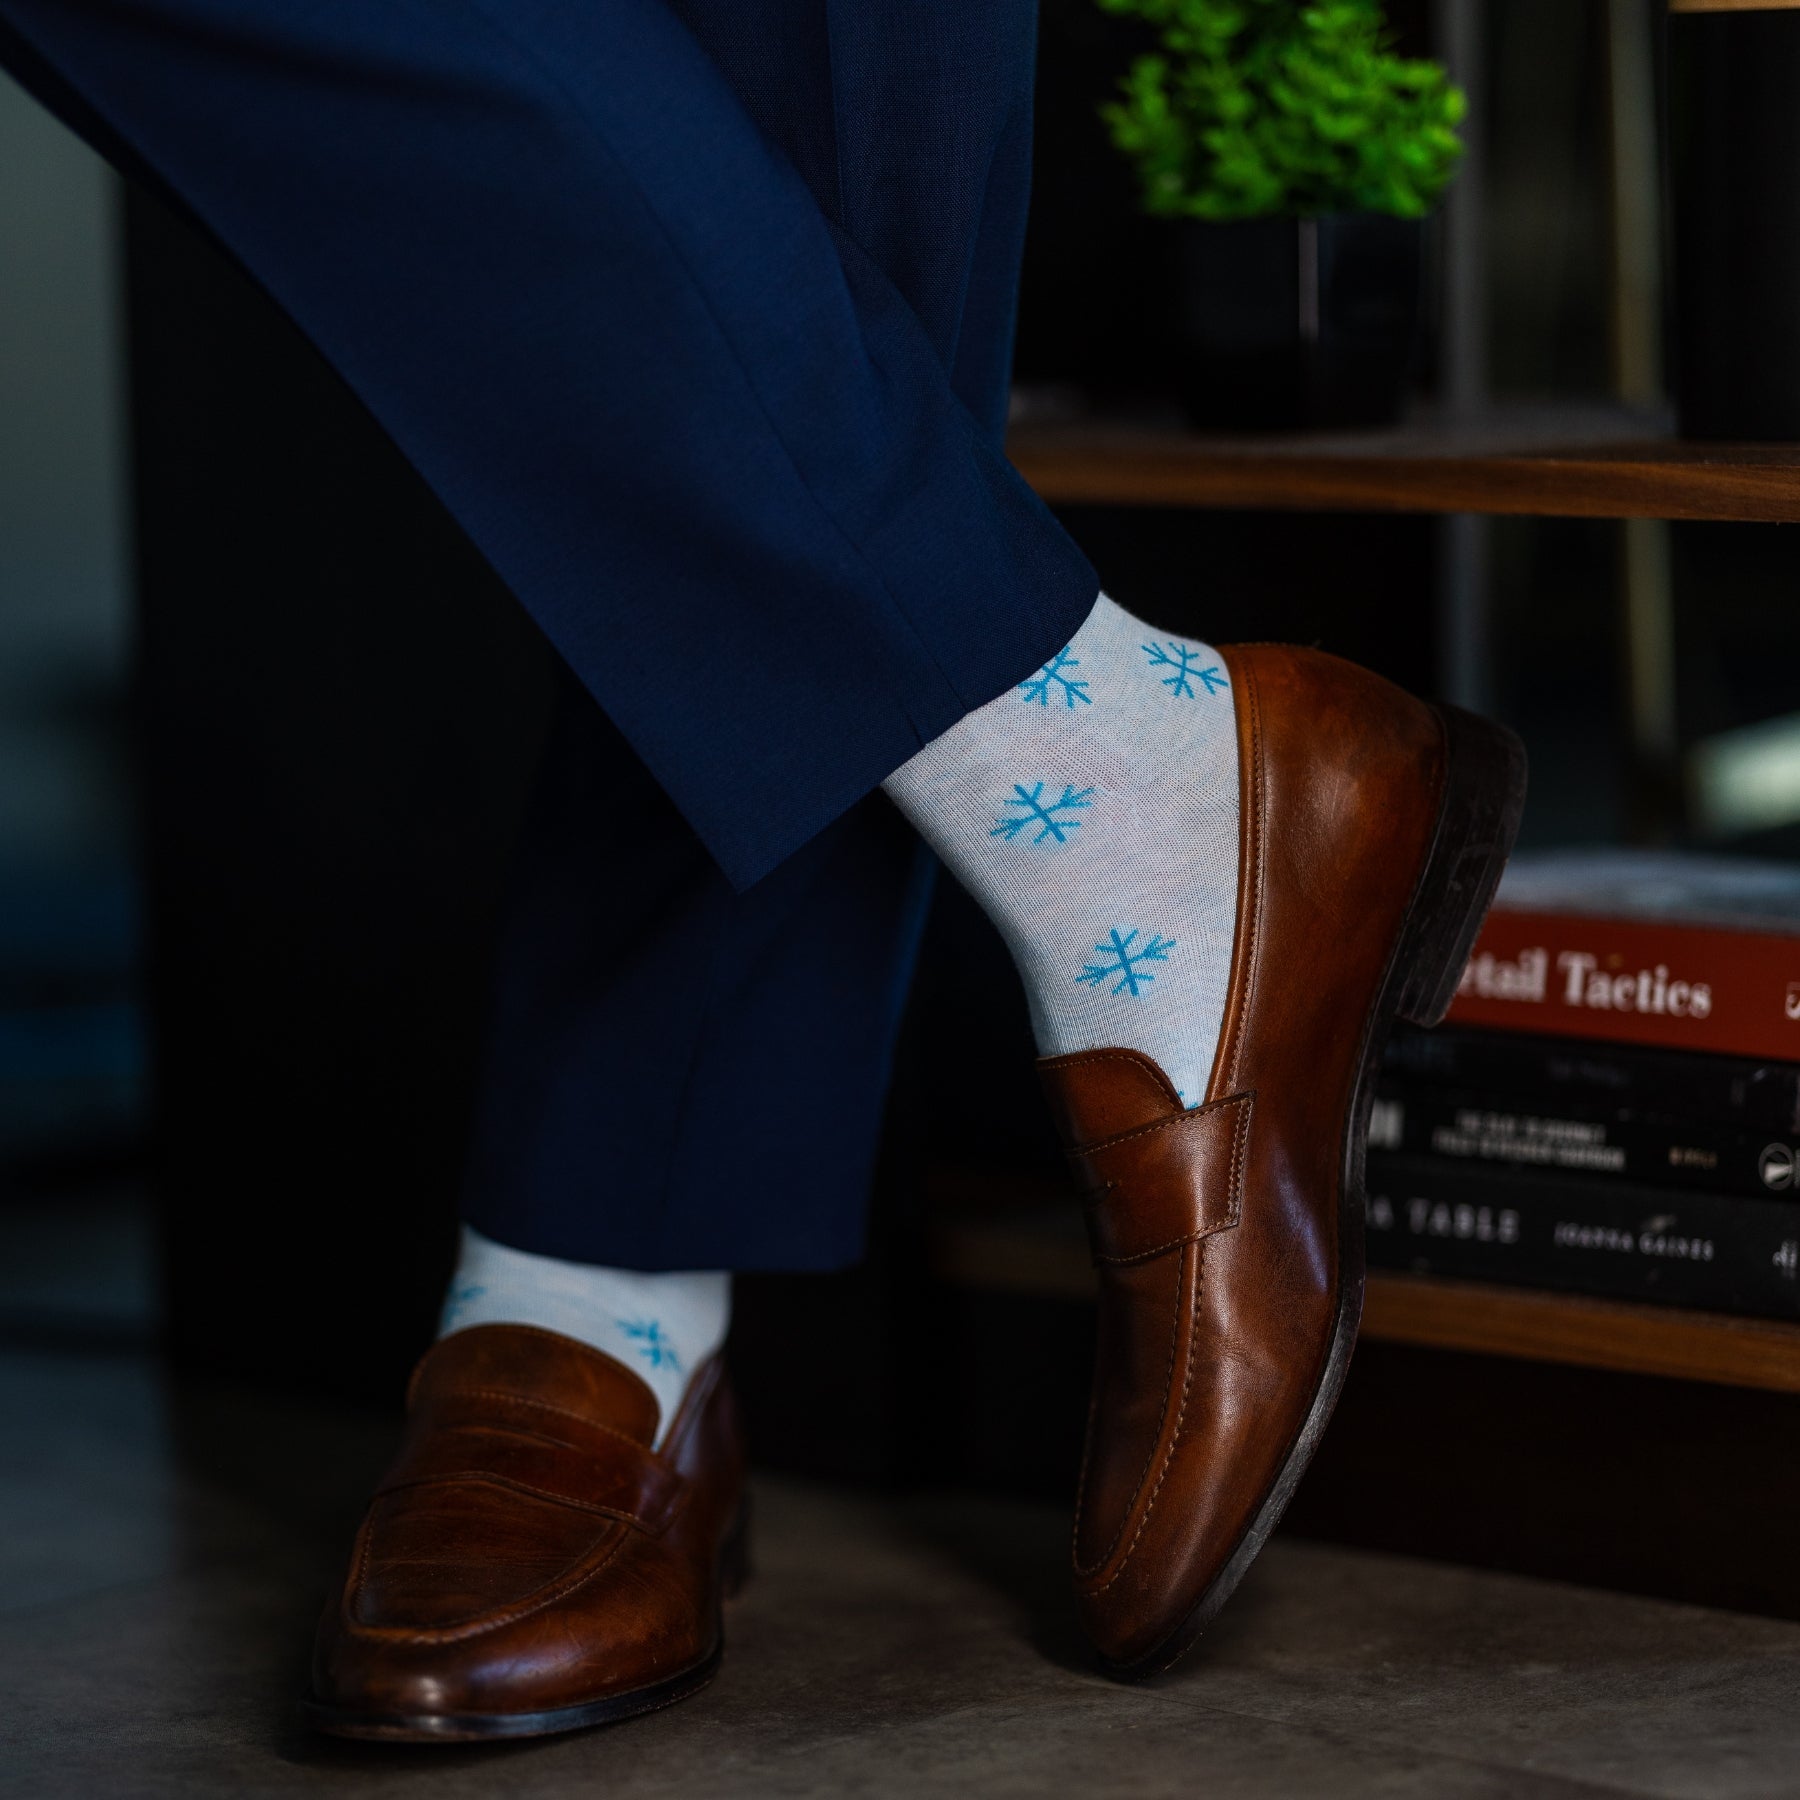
1660 1698
884 1648
87 1486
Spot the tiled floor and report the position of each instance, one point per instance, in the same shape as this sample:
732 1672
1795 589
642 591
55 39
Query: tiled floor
161 1557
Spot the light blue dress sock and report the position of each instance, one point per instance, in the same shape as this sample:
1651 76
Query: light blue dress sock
662 1327
1092 811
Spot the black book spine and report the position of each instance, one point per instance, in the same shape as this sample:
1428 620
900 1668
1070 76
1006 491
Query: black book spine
1551 1074
1714 1252
1546 1135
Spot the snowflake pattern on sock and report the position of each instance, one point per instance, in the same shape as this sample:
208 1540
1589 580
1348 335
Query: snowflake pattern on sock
1125 957
1185 664
1035 810
1037 690
459 1300
652 1345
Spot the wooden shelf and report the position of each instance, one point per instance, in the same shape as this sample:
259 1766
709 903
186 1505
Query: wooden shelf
1539 1326
1602 463
1036 1250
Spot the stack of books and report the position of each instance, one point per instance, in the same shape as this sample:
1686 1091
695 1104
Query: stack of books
1613 1105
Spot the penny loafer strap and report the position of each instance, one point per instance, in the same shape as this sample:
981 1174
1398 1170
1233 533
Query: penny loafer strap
619 1478
1167 1183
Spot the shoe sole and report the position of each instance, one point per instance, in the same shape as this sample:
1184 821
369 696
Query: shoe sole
1477 822
469 1728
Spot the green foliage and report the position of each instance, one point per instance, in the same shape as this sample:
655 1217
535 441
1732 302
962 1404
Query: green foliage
1260 107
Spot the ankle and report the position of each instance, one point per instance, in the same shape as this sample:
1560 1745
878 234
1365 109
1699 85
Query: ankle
661 1326
1092 812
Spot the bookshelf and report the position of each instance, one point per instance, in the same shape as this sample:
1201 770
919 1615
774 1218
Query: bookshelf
1605 462
1031 1243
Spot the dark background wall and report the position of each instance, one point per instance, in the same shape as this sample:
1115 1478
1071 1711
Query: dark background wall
340 710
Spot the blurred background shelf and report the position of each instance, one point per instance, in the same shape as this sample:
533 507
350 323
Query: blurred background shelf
1604 462
1576 1330
1040 1251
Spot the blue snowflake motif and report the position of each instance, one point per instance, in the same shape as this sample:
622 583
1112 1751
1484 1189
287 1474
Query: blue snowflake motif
460 1299
1036 811
1125 960
652 1346
1051 676
1186 664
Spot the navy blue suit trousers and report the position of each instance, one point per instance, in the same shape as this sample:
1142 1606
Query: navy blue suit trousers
697 315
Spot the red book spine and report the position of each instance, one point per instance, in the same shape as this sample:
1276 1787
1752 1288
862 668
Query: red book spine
1684 987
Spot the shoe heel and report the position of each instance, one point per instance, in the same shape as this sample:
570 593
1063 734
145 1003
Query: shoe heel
1478 819
734 1554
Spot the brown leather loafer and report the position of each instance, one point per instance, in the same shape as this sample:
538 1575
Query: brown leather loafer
1229 1238
529 1564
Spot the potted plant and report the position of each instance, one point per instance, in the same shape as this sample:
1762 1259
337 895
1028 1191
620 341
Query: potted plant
1295 155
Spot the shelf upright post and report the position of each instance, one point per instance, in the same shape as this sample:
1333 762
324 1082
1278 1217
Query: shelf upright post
1635 308
1465 636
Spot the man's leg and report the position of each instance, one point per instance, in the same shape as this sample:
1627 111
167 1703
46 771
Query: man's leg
678 406
641 1026
651 1029
488 226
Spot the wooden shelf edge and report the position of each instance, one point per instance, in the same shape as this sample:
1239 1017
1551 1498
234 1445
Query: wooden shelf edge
1423 470
1541 1326
1532 1325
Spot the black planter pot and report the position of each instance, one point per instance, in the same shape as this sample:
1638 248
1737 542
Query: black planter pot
1297 322
1734 162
